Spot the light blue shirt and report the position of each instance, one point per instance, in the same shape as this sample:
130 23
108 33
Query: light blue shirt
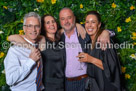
21 71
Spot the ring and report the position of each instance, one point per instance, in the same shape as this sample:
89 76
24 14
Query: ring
82 56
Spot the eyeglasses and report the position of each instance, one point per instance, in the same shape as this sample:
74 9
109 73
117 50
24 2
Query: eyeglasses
32 26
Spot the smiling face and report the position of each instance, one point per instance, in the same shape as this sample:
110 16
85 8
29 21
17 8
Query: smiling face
92 25
67 20
32 28
50 25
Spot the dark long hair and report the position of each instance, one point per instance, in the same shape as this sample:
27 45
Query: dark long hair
43 31
101 28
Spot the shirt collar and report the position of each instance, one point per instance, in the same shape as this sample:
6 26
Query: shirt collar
33 44
74 34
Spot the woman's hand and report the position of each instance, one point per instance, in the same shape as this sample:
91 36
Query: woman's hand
84 57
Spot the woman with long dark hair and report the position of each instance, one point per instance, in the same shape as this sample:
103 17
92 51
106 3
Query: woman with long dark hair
52 55
103 66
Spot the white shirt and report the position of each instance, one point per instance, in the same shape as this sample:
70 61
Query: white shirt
21 71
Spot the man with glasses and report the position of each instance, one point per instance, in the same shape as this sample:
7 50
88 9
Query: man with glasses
23 67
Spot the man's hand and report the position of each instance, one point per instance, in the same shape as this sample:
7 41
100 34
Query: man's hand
81 30
35 55
104 39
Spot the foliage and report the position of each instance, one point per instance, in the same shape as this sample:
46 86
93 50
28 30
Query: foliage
119 15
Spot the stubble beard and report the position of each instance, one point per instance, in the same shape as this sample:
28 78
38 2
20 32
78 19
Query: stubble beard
70 29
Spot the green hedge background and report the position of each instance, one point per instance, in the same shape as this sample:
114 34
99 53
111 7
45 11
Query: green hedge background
119 15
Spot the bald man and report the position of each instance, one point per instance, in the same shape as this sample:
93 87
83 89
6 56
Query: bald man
75 71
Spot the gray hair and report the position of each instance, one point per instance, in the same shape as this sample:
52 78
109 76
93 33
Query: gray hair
32 14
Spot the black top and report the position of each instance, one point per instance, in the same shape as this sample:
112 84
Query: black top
109 78
53 67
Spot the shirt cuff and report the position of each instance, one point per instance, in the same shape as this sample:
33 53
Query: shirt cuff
30 62
111 32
